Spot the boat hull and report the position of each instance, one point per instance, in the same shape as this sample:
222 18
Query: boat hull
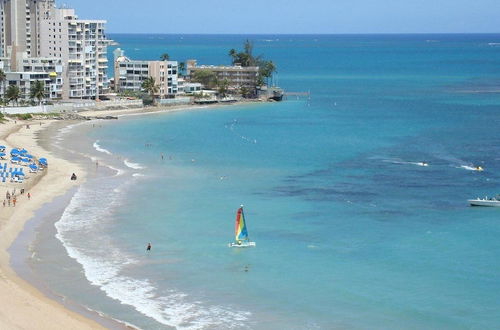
242 245
484 202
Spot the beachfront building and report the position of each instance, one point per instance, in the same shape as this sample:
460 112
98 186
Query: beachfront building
53 68
237 76
23 71
185 87
38 29
82 46
130 74
47 70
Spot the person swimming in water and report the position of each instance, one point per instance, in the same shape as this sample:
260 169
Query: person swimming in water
148 247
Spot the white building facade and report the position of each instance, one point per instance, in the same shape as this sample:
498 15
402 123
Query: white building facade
37 30
129 75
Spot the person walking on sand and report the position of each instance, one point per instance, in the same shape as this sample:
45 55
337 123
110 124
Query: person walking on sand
14 201
149 247
29 196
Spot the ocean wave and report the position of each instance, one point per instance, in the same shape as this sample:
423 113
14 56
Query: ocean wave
402 162
100 149
134 166
470 168
117 170
87 217
138 175
64 130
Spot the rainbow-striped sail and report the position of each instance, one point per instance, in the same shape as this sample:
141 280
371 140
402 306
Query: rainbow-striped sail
240 231
240 227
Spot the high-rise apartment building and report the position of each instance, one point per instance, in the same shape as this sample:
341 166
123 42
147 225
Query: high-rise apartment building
20 25
37 29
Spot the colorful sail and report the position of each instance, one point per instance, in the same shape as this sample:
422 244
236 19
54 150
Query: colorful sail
240 226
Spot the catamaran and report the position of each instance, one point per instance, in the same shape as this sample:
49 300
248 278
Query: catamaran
241 232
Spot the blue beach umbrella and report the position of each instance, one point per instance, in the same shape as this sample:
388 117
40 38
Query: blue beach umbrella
14 152
33 166
24 151
3 147
2 154
16 159
25 160
28 156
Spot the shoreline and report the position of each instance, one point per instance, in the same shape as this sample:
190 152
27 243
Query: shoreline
46 188
18 297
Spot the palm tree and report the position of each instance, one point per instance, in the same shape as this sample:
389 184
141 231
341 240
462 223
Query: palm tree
149 86
37 91
12 93
182 67
164 57
3 78
222 87
233 53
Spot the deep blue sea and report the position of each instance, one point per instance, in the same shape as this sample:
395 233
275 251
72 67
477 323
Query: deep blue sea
351 231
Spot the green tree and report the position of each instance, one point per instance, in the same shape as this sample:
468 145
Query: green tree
12 93
149 86
246 58
3 79
233 53
182 67
266 70
37 91
222 87
164 57
206 77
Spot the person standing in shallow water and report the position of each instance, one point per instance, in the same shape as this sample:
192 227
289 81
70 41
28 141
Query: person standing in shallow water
149 247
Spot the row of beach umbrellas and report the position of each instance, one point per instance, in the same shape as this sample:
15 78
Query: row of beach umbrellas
22 155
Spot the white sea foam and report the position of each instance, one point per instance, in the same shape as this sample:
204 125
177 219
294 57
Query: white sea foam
468 167
135 166
86 219
138 175
100 149
402 162
118 171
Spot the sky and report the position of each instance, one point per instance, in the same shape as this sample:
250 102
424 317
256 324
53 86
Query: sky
292 16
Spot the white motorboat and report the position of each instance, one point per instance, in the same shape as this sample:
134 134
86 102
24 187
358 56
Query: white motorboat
494 201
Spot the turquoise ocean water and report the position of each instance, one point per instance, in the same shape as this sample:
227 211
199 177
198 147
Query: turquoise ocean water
351 232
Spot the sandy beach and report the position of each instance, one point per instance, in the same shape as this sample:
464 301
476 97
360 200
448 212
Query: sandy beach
24 307
18 297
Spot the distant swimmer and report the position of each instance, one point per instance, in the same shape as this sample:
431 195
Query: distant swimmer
478 168
149 247
423 164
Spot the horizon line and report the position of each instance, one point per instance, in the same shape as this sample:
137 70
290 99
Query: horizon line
305 34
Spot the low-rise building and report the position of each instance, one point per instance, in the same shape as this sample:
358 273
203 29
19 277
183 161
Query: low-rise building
53 67
237 76
130 74
30 69
185 87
